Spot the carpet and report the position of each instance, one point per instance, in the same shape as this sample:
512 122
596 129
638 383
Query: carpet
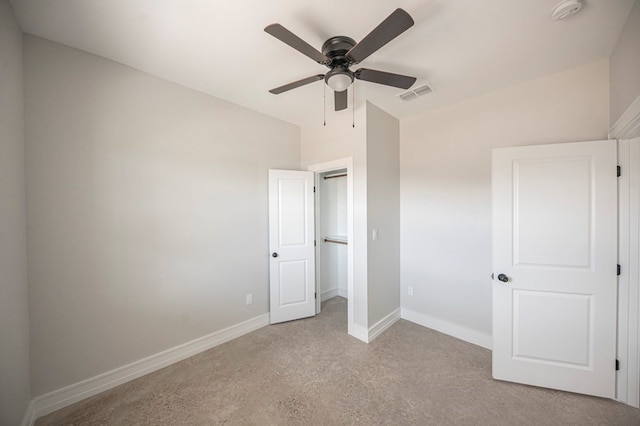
311 372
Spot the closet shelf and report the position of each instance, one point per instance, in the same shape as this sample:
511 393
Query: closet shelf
336 239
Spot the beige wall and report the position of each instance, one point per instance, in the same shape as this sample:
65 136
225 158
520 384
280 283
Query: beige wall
14 317
445 181
625 66
383 212
147 211
338 139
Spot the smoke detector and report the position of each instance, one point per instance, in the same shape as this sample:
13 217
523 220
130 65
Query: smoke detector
565 8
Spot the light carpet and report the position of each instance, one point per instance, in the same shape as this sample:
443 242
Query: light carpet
311 372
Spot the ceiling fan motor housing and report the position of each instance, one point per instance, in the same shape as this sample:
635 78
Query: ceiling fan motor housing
340 77
336 48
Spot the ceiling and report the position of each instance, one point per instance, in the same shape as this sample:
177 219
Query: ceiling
463 48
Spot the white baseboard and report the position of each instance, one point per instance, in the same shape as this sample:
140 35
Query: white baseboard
359 333
329 294
383 324
66 396
30 416
446 327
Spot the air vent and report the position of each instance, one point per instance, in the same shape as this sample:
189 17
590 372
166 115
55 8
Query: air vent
407 96
418 91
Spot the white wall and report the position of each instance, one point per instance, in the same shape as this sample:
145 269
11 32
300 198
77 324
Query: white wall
338 139
625 66
383 212
445 184
147 212
15 390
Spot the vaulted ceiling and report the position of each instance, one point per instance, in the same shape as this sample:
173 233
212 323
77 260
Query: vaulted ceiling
463 48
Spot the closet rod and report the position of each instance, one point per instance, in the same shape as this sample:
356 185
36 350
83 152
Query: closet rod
329 240
335 176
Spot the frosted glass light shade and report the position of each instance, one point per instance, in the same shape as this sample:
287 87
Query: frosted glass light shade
339 82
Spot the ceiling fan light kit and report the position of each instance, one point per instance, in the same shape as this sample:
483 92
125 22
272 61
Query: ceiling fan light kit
339 79
340 52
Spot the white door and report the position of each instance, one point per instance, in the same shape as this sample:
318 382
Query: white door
554 260
291 245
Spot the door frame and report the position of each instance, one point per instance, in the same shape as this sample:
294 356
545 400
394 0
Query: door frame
627 131
339 164
628 386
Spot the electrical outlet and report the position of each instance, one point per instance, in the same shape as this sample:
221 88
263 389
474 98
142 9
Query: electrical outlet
249 299
410 291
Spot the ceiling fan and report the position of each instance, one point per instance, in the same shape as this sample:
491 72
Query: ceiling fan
341 52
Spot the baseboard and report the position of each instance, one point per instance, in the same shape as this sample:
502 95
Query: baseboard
29 416
66 396
628 125
329 294
383 324
446 327
359 333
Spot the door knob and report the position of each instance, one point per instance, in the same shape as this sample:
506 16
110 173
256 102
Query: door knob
274 254
503 278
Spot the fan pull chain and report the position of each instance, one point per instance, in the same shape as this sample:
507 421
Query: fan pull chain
353 104
324 104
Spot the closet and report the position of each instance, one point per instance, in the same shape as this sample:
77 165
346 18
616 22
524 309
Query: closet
331 234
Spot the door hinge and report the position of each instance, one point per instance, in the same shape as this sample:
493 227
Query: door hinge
314 243
314 188
619 171
315 295
617 365
618 271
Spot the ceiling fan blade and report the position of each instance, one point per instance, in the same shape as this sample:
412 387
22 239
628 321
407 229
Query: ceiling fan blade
386 78
286 36
295 84
340 100
395 24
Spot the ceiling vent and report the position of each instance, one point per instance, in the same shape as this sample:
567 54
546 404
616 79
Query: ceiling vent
418 91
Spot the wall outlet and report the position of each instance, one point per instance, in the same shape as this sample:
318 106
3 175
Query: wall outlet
410 291
249 299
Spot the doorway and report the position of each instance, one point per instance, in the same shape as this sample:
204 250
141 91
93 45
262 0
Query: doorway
331 235
334 233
